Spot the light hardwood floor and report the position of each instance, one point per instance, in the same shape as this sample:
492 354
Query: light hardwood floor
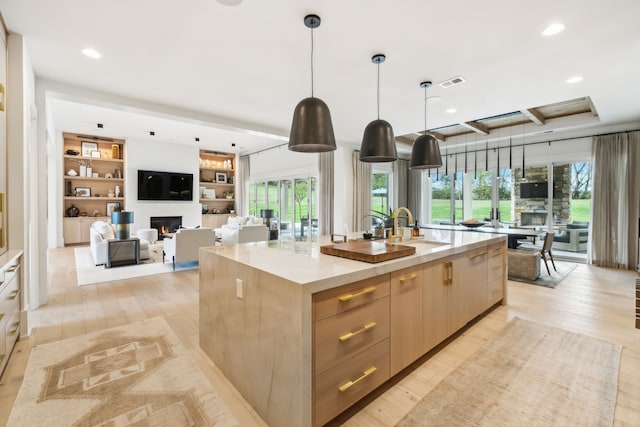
594 301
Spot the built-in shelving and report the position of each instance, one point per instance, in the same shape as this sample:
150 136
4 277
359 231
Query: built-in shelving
217 177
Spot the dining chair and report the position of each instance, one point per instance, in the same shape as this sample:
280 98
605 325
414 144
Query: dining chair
546 251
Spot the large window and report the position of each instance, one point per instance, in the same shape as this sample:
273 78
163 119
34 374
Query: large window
293 203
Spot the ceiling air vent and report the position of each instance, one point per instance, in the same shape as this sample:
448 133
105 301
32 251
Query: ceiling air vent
452 82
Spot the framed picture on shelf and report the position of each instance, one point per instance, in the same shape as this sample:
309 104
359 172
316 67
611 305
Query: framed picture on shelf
112 207
95 154
83 192
221 177
88 147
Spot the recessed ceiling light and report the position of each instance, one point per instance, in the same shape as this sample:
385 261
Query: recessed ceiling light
553 29
451 111
91 53
574 79
433 99
230 2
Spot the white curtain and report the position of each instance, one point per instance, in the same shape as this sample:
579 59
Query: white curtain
242 195
326 172
615 200
414 191
361 193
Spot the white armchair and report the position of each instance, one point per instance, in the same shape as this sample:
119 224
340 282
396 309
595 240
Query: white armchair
185 244
242 233
99 233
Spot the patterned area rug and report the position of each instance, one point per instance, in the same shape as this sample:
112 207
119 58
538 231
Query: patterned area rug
546 280
138 374
529 374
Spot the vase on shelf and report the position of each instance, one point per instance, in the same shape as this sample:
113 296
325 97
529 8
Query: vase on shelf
72 211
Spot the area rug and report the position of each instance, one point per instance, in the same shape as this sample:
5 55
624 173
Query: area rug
88 273
546 280
138 374
528 374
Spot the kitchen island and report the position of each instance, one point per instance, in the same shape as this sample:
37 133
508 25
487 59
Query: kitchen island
304 335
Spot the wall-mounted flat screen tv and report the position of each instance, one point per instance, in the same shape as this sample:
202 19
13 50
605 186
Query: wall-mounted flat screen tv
154 185
533 190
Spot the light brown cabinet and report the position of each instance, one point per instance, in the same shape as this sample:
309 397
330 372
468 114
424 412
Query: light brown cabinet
10 290
93 181
406 317
76 230
217 182
351 344
496 273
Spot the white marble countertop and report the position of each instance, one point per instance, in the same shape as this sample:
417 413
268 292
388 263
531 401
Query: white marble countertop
302 262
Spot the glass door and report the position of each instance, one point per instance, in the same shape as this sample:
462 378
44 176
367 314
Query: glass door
286 219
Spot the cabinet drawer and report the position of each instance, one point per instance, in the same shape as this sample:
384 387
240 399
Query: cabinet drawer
12 330
495 250
339 337
338 300
9 293
338 388
495 268
495 290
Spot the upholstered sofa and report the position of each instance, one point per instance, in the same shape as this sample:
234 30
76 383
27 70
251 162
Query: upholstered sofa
575 238
185 244
242 230
99 233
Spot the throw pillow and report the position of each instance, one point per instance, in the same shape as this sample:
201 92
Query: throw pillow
105 229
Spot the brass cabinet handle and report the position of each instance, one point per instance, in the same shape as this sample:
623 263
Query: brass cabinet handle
13 295
477 255
497 267
450 273
357 294
1 316
350 335
346 386
15 329
411 277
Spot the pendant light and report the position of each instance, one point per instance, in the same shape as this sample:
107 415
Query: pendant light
311 129
425 152
378 142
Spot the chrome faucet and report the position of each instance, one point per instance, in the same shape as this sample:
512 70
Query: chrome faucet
396 226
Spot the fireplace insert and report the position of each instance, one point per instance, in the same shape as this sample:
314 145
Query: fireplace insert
166 225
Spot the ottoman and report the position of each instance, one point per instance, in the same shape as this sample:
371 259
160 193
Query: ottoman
523 264
149 234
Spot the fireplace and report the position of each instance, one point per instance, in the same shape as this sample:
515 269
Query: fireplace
166 225
533 218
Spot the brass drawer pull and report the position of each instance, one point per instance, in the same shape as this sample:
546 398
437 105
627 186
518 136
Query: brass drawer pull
365 291
449 280
1 316
350 335
13 295
11 269
477 255
411 277
364 375
497 267
15 329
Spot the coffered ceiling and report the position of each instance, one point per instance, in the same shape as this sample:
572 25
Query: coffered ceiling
238 71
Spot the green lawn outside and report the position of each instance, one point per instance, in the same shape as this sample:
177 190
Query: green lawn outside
580 209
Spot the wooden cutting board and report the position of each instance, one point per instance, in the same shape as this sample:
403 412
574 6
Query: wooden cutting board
368 250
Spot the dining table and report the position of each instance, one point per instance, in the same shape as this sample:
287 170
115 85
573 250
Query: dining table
513 234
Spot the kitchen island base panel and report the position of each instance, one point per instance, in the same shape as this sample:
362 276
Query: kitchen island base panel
257 341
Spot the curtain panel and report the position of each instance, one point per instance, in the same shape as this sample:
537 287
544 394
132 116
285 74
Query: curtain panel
242 183
615 197
362 188
326 166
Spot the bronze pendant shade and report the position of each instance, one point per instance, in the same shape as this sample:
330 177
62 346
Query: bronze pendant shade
425 152
378 141
311 128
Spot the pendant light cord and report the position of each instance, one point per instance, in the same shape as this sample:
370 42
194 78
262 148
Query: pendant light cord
378 90
425 110
312 62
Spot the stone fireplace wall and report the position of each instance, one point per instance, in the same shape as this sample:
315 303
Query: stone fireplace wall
536 208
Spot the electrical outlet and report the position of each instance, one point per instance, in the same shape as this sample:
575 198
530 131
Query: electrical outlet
239 288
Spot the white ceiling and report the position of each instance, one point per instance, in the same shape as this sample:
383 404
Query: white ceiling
250 64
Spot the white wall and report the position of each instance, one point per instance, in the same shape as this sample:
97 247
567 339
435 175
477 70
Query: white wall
163 157
281 163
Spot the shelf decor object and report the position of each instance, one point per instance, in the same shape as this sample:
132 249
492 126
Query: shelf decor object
312 129
378 142
121 220
425 153
88 147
